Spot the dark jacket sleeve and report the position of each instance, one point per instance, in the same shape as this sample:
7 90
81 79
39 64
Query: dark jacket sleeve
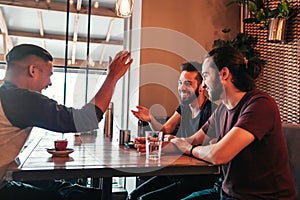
24 108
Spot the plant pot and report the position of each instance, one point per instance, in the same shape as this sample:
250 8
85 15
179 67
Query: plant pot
246 15
246 11
277 30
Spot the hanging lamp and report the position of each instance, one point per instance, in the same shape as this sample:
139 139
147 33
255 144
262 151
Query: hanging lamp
123 8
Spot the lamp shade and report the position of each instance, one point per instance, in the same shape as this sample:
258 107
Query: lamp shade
124 7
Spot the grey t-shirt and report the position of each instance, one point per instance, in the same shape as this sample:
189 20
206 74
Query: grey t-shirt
188 125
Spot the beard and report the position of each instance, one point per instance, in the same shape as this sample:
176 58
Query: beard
216 91
191 97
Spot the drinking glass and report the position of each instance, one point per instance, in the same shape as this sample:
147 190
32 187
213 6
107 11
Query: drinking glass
153 144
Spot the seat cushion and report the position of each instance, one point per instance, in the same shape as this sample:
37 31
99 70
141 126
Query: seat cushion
292 136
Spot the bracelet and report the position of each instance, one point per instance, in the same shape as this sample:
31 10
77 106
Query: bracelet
191 150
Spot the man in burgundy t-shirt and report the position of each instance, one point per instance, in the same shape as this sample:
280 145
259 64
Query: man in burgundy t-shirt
259 169
251 148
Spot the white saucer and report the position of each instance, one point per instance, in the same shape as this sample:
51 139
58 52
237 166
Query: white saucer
60 153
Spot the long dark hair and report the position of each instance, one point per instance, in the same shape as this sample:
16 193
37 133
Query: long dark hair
243 71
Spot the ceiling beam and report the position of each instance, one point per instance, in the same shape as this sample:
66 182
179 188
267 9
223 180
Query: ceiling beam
58 6
75 32
107 40
13 33
80 64
40 18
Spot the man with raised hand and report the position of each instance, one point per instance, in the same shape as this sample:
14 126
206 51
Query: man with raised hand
29 68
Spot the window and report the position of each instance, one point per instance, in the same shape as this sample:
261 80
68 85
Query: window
81 85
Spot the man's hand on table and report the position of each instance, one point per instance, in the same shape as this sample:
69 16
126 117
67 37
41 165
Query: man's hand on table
167 146
140 144
182 145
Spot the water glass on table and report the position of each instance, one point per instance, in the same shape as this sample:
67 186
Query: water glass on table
153 144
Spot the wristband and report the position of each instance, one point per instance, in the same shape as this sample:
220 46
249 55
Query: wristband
191 150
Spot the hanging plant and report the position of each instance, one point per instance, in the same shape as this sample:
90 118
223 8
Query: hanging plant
264 14
261 13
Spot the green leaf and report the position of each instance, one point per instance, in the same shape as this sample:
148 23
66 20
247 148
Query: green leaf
252 7
226 30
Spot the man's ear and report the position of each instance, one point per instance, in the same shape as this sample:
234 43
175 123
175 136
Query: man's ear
224 73
200 88
31 70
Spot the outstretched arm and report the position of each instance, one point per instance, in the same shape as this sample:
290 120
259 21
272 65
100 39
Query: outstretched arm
171 124
143 113
117 68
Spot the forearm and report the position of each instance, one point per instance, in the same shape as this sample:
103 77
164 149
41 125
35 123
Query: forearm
202 152
169 147
186 145
154 124
199 138
104 95
170 126
227 148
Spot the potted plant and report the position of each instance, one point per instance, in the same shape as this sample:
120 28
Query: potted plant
263 14
245 43
274 20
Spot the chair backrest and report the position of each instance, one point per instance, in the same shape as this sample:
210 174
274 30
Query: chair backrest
292 137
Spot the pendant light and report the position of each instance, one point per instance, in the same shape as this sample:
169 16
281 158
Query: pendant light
123 8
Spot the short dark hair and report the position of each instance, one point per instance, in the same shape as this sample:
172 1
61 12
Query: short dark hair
23 50
244 72
193 67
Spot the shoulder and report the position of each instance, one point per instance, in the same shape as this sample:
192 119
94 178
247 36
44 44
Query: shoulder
258 94
12 94
259 98
16 100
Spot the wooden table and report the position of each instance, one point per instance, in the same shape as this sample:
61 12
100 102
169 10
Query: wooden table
96 156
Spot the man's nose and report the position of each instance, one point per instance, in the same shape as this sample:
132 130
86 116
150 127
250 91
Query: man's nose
182 87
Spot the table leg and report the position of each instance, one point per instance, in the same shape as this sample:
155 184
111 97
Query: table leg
106 188
96 182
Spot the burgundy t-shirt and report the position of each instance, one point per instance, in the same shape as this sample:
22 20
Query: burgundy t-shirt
261 170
